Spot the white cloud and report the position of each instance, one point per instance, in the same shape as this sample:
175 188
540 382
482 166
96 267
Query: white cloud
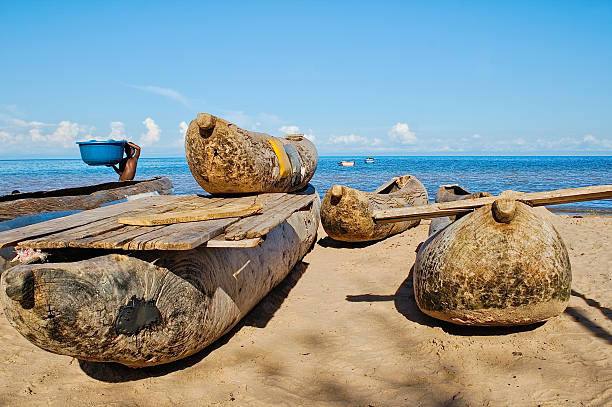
350 139
152 134
47 136
588 138
183 128
167 92
289 129
401 132
117 131
65 134
476 136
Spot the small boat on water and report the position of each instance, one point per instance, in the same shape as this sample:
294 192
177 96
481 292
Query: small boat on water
346 163
346 213
225 159
77 198
502 264
369 160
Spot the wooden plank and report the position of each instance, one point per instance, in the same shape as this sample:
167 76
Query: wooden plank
13 236
220 241
192 215
560 196
112 240
185 236
96 228
239 230
260 225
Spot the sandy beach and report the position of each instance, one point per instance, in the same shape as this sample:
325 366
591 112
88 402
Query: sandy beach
343 329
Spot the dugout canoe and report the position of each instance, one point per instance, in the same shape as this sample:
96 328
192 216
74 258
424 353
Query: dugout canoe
225 159
77 198
346 213
502 264
149 307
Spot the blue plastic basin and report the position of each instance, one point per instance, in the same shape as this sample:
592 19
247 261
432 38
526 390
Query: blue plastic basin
106 152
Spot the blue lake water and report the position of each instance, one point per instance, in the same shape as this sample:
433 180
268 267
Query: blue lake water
491 174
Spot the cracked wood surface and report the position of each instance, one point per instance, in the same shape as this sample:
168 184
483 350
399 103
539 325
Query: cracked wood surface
100 229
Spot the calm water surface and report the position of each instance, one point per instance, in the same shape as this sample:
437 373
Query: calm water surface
491 174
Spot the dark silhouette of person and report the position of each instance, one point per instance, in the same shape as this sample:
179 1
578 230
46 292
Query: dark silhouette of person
127 165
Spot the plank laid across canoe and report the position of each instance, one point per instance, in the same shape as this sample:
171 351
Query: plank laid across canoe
561 196
346 213
79 198
100 228
150 307
225 159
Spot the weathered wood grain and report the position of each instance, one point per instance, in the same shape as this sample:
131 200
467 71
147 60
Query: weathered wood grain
225 159
193 215
487 269
12 236
244 243
257 226
151 307
346 213
101 229
88 197
107 224
561 196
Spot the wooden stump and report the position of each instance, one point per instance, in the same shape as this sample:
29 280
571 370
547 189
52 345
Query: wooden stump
346 213
225 159
154 308
503 264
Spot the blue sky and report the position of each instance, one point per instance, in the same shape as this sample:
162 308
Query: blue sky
359 78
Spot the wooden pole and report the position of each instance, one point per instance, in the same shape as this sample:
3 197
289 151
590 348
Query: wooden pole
560 196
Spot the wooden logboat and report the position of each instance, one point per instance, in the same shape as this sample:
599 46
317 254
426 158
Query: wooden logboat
346 213
225 159
147 307
78 198
502 264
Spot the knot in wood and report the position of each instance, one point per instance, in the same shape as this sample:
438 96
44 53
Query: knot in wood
504 210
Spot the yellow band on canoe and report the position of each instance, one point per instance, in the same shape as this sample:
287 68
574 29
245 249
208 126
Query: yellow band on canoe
283 158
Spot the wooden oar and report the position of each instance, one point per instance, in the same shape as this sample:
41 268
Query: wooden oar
560 196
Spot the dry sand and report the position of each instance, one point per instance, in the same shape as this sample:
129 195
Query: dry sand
343 329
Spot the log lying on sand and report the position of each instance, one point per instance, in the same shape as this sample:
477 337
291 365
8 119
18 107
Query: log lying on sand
346 213
151 307
503 264
81 198
448 193
225 159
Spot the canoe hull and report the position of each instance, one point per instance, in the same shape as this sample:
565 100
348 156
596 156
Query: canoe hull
480 271
157 308
225 159
81 198
346 213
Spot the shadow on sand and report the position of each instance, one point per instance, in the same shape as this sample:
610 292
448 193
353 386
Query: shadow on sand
406 305
336 244
579 317
258 317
